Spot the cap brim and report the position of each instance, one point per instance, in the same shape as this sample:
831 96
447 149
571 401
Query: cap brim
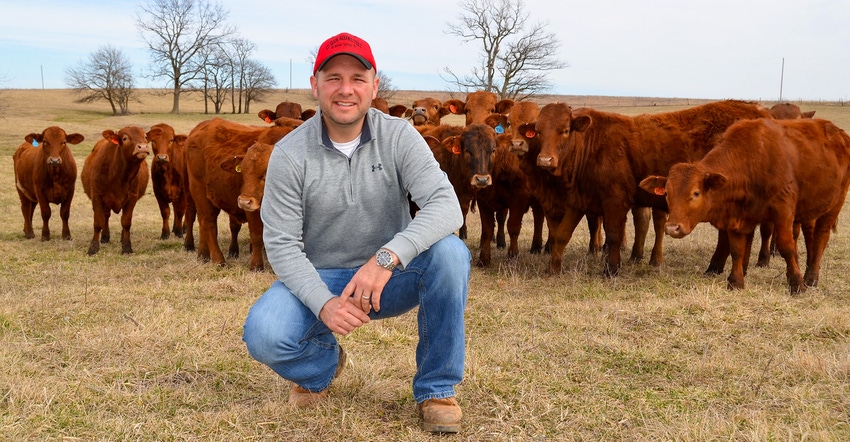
358 57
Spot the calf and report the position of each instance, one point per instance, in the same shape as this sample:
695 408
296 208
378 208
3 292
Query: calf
779 171
210 148
45 174
168 172
286 109
478 106
114 177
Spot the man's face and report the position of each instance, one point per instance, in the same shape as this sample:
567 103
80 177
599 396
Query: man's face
345 89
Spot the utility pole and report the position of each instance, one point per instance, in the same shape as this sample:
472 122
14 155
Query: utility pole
781 79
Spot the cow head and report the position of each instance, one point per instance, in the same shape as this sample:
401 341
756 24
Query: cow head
555 128
54 144
789 111
131 140
477 145
427 111
522 121
478 106
161 136
254 164
286 109
689 189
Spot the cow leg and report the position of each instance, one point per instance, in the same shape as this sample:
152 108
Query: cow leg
179 212
766 234
104 234
488 226
165 214
815 248
255 233
537 237
501 216
208 249
594 227
189 225
737 245
721 252
99 221
44 208
641 216
614 223
659 219
28 211
235 227
748 250
464 209
65 215
515 215
126 224
562 237
784 232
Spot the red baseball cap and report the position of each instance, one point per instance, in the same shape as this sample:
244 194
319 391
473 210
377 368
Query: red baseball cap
344 43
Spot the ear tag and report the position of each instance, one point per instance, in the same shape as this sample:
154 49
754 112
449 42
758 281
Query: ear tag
239 168
530 134
34 143
268 120
499 129
660 191
114 140
453 108
456 150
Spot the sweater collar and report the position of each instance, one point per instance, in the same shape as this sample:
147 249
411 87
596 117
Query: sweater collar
365 134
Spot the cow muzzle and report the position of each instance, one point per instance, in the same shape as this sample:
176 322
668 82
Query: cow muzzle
54 161
248 204
519 147
162 158
142 151
481 181
676 230
546 162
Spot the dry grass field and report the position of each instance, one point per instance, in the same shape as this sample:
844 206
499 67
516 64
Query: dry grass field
148 346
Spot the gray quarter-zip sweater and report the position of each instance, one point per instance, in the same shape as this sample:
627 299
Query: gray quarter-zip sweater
323 210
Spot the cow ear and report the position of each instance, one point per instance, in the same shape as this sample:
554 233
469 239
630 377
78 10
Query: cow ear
32 138
713 181
307 114
110 135
809 114
655 185
266 115
432 142
454 106
154 132
580 123
232 164
180 140
452 144
499 123
504 106
75 138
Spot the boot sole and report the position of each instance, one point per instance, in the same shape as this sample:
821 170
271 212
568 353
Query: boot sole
440 428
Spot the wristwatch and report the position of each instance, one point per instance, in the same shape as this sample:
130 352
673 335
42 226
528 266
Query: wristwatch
385 259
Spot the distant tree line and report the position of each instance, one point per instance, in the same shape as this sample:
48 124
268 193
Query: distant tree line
192 47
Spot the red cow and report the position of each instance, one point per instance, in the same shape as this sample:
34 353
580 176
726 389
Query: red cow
601 158
381 104
286 109
783 171
508 193
253 166
467 159
427 112
478 106
548 189
114 177
168 174
45 174
789 111
211 147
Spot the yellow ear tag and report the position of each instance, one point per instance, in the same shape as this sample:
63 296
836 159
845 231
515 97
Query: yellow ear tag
239 168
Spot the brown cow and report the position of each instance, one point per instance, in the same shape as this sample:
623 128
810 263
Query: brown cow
602 157
253 166
168 175
381 104
114 177
398 110
467 159
478 106
783 171
45 174
789 111
508 193
212 146
286 109
427 112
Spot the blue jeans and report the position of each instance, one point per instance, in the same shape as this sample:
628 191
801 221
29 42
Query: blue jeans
285 335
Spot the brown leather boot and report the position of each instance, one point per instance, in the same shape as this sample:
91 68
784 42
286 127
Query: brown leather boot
440 415
304 398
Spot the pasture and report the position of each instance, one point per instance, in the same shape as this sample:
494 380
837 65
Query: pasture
148 346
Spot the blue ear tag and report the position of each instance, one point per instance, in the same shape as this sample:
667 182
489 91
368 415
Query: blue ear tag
34 143
499 129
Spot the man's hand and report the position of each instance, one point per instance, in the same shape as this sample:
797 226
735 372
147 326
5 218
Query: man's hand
367 285
342 315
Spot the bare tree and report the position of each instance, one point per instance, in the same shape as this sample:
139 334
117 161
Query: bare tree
216 76
515 57
258 80
175 32
241 50
107 75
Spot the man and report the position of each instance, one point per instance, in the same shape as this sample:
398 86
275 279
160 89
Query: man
339 236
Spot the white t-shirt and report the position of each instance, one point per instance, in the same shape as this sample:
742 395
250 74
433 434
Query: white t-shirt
347 148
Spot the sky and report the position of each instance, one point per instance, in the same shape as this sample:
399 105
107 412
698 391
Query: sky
745 49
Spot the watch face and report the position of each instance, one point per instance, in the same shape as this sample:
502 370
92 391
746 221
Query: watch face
385 259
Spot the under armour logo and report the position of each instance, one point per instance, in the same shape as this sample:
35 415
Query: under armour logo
377 167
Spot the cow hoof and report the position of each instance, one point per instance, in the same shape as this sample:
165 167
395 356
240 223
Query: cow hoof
164 235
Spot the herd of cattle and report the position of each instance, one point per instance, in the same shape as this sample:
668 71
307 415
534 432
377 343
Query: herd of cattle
734 164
